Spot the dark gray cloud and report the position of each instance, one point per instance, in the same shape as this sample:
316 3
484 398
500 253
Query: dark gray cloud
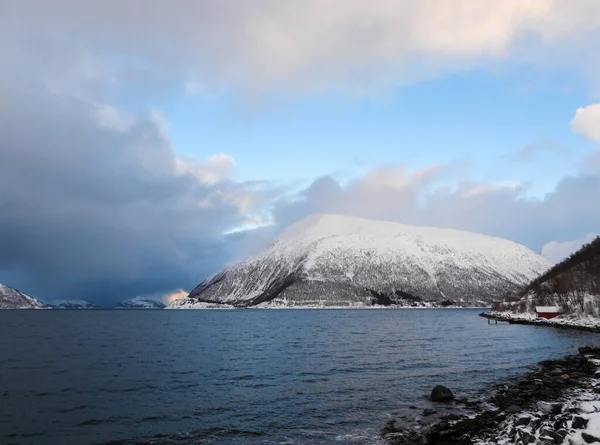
102 209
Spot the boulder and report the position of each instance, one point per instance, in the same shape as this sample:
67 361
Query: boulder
589 438
441 394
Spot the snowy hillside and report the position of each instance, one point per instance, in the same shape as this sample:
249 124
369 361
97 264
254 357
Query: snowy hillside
332 260
140 303
72 304
573 285
13 299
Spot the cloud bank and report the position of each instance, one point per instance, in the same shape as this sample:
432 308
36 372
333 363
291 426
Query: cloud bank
101 207
95 202
313 45
556 252
504 210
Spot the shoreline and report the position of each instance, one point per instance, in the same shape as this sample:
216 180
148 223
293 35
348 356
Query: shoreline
581 324
557 403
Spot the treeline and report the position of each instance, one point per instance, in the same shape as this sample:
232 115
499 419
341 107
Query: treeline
573 284
580 271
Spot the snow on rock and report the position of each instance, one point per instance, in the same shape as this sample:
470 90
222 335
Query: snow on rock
72 304
576 423
333 260
13 299
565 320
140 303
185 303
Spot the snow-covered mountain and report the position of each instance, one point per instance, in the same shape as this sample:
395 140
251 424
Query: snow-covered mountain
333 260
73 304
140 303
13 299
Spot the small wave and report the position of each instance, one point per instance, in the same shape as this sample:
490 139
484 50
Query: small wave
187 437
89 422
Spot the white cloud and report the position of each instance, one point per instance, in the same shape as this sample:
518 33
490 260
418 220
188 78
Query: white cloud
170 297
113 119
557 251
502 209
587 122
219 167
309 44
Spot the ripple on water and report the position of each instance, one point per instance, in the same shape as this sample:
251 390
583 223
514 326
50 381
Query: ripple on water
246 377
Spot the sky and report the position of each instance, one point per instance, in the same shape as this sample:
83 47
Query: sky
144 145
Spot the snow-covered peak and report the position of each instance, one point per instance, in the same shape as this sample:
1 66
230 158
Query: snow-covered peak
320 226
73 304
140 303
321 233
13 299
335 259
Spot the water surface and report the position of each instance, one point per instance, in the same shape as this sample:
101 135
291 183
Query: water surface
247 376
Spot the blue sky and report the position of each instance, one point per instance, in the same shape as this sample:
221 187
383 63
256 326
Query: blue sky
133 144
477 118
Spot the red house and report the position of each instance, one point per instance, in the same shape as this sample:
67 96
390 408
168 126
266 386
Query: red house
547 311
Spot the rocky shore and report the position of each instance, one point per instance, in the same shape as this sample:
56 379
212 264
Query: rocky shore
558 403
589 324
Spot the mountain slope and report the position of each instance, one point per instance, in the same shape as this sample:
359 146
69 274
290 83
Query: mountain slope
73 304
13 299
332 260
573 284
140 303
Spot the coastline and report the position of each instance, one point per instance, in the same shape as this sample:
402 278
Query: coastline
563 322
557 403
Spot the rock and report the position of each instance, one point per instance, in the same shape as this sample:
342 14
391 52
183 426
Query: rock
390 427
579 422
588 350
513 409
441 394
560 436
549 408
587 408
561 422
589 438
527 437
548 433
452 417
429 412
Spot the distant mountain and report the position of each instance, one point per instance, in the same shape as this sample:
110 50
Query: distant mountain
140 303
72 304
573 284
333 260
13 299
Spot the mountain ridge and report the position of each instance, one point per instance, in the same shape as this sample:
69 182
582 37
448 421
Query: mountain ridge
11 298
573 285
333 260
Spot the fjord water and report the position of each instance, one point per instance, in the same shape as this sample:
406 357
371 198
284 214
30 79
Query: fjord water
247 376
